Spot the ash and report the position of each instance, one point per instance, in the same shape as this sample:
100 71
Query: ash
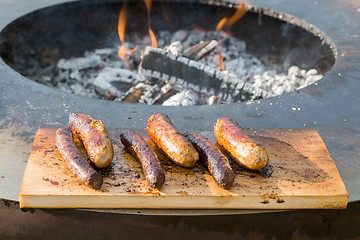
102 74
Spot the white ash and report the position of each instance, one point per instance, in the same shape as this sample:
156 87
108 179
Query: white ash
183 98
102 74
211 100
252 70
282 83
175 48
148 96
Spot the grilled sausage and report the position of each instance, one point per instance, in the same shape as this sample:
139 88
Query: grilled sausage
150 163
244 150
76 163
212 157
94 137
171 141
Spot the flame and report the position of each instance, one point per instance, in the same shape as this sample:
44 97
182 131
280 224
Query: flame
121 29
221 24
153 38
222 66
123 51
227 22
148 4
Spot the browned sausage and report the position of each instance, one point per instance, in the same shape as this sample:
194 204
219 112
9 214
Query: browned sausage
94 137
171 141
76 163
243 149
150 163
212 157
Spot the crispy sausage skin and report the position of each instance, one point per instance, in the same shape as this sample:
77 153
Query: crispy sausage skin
76 163
150 163
95 138
171 141
243 149
218 165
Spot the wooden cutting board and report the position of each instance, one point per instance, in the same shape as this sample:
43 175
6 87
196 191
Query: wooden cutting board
301 174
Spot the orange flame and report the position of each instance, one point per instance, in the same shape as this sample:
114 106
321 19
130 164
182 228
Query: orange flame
153 38
123 51
227 22
121 29
221 24
222 66
148 4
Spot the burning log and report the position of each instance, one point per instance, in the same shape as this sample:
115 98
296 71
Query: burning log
133 95
180 70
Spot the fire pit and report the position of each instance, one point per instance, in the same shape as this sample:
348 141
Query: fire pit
330 105
225 53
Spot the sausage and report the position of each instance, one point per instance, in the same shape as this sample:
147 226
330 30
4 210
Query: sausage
94 137
171 141
150 163
218 165
243 149
76 163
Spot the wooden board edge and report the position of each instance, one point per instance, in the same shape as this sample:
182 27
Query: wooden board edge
184 202
32 152
345 193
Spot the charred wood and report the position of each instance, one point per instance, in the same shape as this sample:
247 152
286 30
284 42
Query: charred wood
179 70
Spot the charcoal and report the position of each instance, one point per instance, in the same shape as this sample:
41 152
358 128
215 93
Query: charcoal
111 80
194 37
79 63
180 35
164 38
102 74
104 51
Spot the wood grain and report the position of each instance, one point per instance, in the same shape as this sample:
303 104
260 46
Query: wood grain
301 174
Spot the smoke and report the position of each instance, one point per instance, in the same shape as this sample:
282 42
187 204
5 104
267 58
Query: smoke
301 48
